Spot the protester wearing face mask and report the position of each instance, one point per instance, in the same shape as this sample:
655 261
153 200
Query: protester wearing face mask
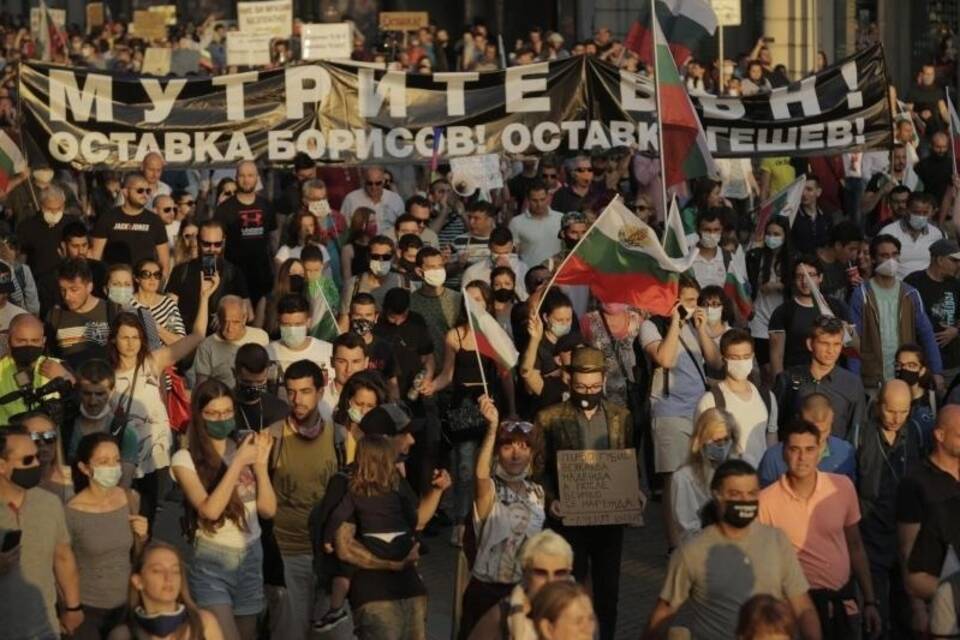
718 311
572 227
95 384
295 343
330 223
377 280
710 267
105 532
378 352
768 271
304 460
754 409
40 570
216 354
911 367
120 291
612 329
54 473
886 314
715 440
26 354
916 231
556 314
503 280
587 421
729 546
502 254
39 238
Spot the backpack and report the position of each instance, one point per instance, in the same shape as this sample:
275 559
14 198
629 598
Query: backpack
720 401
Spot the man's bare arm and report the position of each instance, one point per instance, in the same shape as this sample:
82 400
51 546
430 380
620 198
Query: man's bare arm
350 550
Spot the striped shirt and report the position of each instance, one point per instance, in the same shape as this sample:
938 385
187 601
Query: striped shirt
164 314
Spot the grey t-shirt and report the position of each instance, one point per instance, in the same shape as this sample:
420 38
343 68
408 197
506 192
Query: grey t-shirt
686 383
718 575
28 594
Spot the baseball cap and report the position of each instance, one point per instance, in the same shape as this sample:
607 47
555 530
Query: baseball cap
6 278
944 247
587 360
386 420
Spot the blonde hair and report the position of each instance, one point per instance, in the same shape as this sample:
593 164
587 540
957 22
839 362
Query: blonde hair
376 472
545 543
703 470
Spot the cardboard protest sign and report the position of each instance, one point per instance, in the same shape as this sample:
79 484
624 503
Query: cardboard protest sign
156 61
483 170
599 487
403 20
94 15
248 49
273 18
326 41
168 10
149 25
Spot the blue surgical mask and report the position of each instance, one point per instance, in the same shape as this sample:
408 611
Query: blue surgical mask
717 452
773 242
918 223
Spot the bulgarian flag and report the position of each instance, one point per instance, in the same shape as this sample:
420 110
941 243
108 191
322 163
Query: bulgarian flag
12 161
785 203
954 132
50 38
621 259
492 340
735 284
675 242
685 24
683 146
823 308
323 320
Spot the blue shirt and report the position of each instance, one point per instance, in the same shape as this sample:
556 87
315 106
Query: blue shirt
840 458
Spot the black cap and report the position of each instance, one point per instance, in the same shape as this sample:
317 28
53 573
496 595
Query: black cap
386 420
303 161
396 301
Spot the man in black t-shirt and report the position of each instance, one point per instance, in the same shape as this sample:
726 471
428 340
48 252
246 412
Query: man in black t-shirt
250 221
940 291
184 282
363 317
80 327
131 233
406 332
75 243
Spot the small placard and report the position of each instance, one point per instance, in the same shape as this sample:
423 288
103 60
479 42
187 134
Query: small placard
273 18
248 50
599 487
483 170
403 20
156 61
326 41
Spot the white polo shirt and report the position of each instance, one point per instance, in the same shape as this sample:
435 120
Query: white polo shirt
710 272
914 253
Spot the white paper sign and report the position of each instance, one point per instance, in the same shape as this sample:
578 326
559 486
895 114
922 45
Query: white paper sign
484 170
326 41
728 12
273 18
246 49
59 17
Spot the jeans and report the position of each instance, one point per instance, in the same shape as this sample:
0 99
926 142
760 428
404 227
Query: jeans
404 619
295 616
892 601
221 575
598 549
464 468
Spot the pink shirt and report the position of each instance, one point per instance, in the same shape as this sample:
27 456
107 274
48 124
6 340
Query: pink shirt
815 525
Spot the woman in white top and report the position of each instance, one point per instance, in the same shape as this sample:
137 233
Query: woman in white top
138 395
508 509
714 441
226 486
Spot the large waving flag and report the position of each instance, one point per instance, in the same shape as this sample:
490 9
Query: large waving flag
12 161
50 39
492 340
736 286
785 203
323 319
954 132
622 260
685 23
683 145
675 242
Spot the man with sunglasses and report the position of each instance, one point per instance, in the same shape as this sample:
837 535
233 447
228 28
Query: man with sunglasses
418 214
587 421
41 563
387 204
130 233
579 188
166 208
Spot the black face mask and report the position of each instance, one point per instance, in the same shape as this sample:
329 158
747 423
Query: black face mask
910 377
249 393
503 295
296 283
25 356
586 401
361 327
570 243
26 478
160 625
740 513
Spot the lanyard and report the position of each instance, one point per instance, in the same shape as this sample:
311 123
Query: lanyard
886 458
243 414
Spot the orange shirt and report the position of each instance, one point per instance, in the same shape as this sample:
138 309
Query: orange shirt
815 525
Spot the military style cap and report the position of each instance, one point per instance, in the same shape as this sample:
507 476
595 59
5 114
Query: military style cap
587 360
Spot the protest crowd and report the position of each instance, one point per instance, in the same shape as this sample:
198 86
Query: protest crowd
326 368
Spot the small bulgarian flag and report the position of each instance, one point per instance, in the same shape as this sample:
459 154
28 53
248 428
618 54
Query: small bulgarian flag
735 284
492 340
954 132
622 260
675 242
12 161
323 320
683 145
823 308
786 203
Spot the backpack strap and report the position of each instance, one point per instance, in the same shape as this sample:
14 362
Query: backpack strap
719 401
727 259
21 277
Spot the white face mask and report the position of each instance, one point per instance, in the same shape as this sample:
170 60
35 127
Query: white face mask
120 295
709 240
888 268
739 369
108 477
293 336
92 416
714 315
52 217
355 414
380 267
435 277
319 208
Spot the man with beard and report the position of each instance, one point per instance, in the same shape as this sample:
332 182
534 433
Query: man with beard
936 169
250 222
130 233
572 227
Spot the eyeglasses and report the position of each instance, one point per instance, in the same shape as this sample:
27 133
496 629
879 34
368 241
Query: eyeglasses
516 425
582 388
47 437
145 275
422 221
378 183
214 245
168 209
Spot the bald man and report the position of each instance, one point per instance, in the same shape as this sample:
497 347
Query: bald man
152 169
251 224
216 354
889 447
373 194
27 343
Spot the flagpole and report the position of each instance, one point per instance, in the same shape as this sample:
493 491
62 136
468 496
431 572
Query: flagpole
467 300
654 27
336 320
953 145
570 253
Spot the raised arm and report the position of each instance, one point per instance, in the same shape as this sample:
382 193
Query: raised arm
532 377
483 484
169 355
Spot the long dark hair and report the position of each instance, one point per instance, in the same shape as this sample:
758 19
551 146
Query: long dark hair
127 319
779 260
88 444
485 291
370 380
210 466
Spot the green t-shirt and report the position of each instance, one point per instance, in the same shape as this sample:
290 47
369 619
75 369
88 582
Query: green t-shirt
888 308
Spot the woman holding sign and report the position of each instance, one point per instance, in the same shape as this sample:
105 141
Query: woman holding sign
508 509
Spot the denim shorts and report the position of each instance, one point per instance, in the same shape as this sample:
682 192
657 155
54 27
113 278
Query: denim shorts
221 575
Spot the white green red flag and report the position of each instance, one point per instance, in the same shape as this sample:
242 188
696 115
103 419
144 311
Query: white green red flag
50 38
675 241
685 23
492 340
736 286
954 133
12 161
323 318
683 145
622 260
785 202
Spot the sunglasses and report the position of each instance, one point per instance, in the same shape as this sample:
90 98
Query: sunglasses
381 256
378 183
422 221
516 425
47 437
168 209
142 190
145 275
214 245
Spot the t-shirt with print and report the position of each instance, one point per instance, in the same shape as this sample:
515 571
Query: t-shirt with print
381 358
409 342
515 517
130 239
718 574
28 596
248 241
147 415
941 300
686 381
318 351
79 337
229 534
